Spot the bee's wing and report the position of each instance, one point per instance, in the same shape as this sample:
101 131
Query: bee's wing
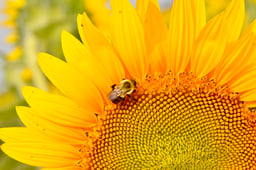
115 93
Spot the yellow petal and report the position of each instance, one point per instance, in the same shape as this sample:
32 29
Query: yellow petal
100 14
199 16
187 20
156 37
20 134
251 104
234 18
158 60
81 29
249 96
128 38
235 60
209 47
211 42
80 57
245 82
71 82
101 48
58 108
154 27
142 6
42 154
31 119
251 29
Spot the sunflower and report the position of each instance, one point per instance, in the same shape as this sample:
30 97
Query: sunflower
190 109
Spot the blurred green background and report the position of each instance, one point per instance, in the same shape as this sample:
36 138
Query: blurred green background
33 26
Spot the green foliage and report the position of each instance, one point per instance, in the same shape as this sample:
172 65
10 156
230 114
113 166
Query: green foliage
250 9
46 19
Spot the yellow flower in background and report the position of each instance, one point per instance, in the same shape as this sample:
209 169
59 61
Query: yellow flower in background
190 108
12 37
15 54
11 9
26 75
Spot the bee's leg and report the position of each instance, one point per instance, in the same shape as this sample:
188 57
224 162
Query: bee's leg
122 102
113 86
131 97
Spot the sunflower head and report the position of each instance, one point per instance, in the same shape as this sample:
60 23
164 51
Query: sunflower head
190 108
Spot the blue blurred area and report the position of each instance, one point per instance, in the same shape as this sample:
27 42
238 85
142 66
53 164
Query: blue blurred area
3 32
3 49
163 3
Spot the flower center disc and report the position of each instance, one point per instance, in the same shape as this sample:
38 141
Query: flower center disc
181 123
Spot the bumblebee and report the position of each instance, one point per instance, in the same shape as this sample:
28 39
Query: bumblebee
119 92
